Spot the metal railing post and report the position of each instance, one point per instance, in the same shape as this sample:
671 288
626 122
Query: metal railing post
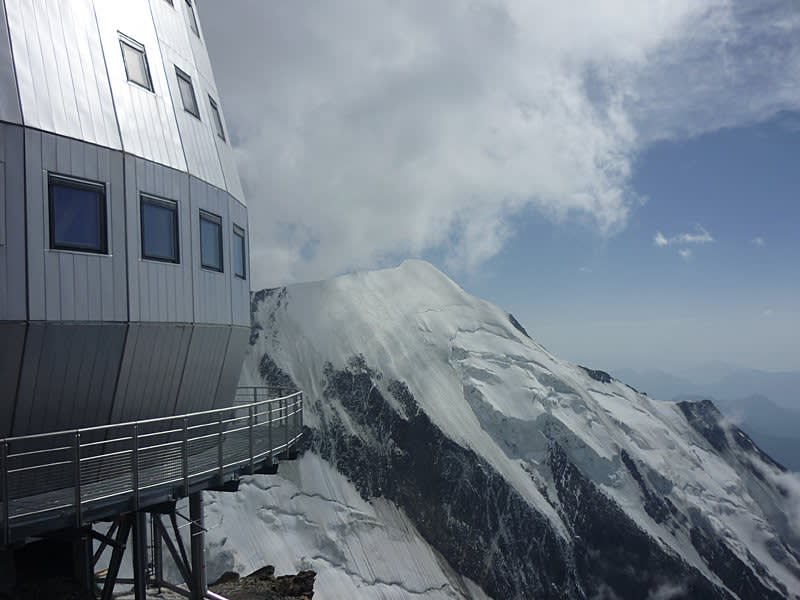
220 453
135 466
185 456
76 474
250 425
286 425
4 491
269 428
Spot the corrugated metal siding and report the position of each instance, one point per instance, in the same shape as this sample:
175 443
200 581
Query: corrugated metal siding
240 288
151 372
60 69
158 291
66 286
68 376
146 119
13 305
203 368
12 342
212 290
9 94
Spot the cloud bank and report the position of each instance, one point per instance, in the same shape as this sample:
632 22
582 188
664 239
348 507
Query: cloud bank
370 129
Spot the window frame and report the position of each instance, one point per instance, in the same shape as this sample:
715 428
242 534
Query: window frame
217 220
241 234
145 198
193 24
125 40
217 118
54 179
183 75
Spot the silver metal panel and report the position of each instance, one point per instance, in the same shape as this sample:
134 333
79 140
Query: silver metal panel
212 290
196 134
12 225
227 159
63 285
60 69
151 372
12 340
232 369
68 376
146 119
171 27
9 94
158 291
203 368
240 288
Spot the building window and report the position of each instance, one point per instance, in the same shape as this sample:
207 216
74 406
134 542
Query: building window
192 18
135 59
159 229
187 93
77 215
170 2
211 241
217 118
239 253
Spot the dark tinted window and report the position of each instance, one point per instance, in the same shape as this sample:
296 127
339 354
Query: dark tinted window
210 241
77 215
136 67
192 18
159 229
217 118
239 253
187 93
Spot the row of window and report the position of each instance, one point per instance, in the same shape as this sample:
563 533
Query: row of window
78 222
137 69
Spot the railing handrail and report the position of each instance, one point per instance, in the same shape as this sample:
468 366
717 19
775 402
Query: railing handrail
202 413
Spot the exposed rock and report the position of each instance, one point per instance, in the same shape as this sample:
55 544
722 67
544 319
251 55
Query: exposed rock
263 585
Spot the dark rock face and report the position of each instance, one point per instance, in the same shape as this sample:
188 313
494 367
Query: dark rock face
597 375
518 326
263 585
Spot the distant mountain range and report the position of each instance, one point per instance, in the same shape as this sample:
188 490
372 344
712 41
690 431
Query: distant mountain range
766 405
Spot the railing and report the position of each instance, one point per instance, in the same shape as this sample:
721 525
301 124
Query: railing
73 477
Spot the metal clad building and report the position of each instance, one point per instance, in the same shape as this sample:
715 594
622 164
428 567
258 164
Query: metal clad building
124 271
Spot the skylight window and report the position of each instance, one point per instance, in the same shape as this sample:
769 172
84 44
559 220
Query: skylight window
187 93
135 59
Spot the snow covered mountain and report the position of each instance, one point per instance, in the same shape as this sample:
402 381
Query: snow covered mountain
451 456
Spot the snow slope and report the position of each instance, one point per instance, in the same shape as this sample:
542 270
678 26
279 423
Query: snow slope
401 358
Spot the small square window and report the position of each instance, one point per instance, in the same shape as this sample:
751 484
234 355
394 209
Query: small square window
77 215
217 118
210 241
135 59
159 229
239 253
192 18
187 93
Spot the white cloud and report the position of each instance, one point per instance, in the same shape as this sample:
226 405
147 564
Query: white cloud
759 241
659 240
685 253
700 235
768 312
369 129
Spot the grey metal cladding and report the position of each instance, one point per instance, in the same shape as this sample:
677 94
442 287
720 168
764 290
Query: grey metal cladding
151 371
203 368
146 119
240 288
60 69
13 303
12 342
82 358
232 367
10 111
158 291
212 289
66 286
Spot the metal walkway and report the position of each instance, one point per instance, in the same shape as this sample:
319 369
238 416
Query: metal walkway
70 479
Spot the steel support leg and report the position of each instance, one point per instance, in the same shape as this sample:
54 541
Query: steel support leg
140 555
158 553
83 560
116 557
198 546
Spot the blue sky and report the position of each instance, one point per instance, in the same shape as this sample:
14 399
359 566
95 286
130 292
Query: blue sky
624 301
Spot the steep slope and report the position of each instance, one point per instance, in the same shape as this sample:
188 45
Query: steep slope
448 450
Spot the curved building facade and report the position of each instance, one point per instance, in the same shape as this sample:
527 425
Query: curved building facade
124 270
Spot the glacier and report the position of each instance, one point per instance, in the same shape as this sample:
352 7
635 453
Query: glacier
449 455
